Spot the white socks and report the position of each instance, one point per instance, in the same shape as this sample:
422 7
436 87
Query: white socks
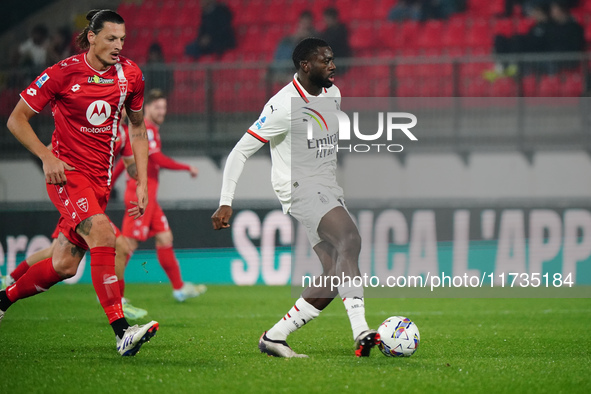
301 313
353 299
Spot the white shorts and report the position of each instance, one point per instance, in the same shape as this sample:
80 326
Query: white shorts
311 202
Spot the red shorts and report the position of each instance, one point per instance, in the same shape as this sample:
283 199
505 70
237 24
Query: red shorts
76 201
152 222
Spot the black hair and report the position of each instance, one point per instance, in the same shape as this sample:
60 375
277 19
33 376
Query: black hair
305 49
96 21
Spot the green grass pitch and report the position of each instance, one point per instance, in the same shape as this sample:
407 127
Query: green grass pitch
60 342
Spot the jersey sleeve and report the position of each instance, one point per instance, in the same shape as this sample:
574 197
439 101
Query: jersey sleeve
42 90
135 100
164 161
274 121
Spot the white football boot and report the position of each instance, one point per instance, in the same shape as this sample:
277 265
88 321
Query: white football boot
134 337
277 348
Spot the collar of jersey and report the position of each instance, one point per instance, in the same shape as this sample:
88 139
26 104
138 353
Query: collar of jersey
92 68
300 89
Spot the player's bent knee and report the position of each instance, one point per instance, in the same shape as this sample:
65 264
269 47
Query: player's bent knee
122 246
66 268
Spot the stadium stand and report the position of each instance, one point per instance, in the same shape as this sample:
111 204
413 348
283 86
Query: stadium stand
260 24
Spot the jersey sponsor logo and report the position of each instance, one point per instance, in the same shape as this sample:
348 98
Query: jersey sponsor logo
32 91
260 122
100 80
42 79
98 112
75 88
83 204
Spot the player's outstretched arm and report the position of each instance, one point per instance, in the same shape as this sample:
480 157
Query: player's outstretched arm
18 124
169 163
139 145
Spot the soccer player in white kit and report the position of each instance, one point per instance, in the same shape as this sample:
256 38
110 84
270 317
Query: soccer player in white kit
307 190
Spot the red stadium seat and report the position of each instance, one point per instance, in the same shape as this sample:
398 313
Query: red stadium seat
390 35
454 33
430 34
474 87
410 31
573 85
503 27
478 34
362 37
504 87
550 86
530 86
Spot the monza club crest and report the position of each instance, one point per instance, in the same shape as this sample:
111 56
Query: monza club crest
82 204
123 85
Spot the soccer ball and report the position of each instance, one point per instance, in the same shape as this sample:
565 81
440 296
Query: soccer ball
399 337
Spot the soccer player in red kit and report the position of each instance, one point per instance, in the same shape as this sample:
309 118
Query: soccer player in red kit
87 93
154 223
122 247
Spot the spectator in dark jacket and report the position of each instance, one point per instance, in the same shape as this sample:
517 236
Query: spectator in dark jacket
216 34
336 33
566 35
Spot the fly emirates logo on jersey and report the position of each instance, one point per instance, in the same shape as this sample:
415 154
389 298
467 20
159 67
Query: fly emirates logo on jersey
364 140
97 113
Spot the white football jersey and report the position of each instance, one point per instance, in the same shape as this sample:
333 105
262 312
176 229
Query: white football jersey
286 122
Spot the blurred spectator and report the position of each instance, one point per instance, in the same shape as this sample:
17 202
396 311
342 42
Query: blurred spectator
566 35
336 33
282 64
536 40
216 33
33 52
404 10
157 74
422 10
60 46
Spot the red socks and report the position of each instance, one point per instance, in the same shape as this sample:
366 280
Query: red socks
38 278
105 282
19 270
122 287
170 265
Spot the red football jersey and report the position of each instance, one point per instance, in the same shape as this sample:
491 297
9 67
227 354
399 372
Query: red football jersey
86 106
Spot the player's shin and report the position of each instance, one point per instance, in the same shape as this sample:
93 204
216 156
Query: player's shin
38 278
20 270
106 285
353 300
301 313
170 265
